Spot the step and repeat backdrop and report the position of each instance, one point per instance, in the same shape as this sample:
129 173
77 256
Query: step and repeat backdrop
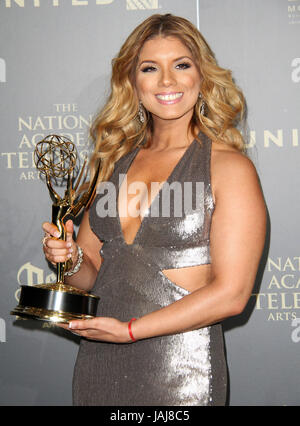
55 59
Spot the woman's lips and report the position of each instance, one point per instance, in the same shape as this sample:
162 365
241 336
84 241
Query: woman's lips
169 98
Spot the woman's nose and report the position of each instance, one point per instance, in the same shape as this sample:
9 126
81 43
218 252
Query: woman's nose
167 78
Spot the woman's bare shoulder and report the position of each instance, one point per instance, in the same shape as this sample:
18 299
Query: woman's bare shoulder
230 167
225 158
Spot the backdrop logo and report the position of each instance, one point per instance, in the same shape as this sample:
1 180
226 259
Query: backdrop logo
141 4
30 274
293 9
37 3
64 119
295 70
281 299
2 71
278 138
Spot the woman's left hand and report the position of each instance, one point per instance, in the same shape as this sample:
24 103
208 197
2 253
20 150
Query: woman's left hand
100 328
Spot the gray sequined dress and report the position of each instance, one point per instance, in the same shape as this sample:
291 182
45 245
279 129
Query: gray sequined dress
185 369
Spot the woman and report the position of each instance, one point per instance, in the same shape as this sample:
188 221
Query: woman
178 267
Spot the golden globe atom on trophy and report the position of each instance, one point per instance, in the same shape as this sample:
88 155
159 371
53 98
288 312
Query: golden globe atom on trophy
56 158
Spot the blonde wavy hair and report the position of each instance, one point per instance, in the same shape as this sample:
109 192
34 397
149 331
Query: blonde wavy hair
117 130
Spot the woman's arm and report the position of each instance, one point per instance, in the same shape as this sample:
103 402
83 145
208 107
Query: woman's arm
237 238
58 251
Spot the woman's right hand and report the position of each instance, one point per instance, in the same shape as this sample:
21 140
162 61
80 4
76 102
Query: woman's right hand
56 250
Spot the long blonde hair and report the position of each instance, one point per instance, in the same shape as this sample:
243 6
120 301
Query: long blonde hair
117 130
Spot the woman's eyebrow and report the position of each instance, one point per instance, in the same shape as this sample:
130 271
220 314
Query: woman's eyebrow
150 61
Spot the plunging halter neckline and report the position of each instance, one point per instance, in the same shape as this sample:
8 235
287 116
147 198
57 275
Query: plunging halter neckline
125 173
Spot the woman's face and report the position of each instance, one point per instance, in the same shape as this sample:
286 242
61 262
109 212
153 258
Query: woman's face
167 79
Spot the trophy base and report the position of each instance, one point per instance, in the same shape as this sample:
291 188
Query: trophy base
46 315
55 303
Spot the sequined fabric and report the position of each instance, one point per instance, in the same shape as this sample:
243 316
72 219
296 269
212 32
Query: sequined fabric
182 369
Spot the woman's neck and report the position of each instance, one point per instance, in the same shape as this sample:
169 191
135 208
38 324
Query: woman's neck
170 134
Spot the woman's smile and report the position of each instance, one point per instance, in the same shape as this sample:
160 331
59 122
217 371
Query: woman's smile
169 98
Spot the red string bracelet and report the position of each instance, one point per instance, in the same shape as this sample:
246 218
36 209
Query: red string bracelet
129 329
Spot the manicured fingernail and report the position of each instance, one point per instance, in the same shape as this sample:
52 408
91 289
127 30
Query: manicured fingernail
56 234
70 325
69 244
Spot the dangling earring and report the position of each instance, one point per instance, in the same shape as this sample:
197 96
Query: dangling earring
141 113
202 108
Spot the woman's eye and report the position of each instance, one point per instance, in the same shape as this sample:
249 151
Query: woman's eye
148 69
183 65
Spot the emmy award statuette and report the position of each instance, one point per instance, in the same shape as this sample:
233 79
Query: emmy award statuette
55 157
